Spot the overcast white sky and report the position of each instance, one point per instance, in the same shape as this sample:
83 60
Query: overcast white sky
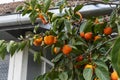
7 1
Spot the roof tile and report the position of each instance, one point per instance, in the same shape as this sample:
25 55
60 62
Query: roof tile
9 7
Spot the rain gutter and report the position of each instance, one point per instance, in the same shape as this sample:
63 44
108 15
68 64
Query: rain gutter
17 21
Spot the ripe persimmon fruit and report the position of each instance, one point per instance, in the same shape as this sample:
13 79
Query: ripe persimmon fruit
49 39
88 36
42 19
82 34
66 49
89 66
96 79
114 75
97 37
55 39
79 58
56 50
107 30
96 21
38 41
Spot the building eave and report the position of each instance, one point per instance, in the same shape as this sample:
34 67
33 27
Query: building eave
17 21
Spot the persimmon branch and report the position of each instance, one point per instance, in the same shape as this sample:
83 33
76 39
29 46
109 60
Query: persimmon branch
108 51
103 43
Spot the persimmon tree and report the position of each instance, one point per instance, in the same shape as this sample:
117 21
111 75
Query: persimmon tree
83 48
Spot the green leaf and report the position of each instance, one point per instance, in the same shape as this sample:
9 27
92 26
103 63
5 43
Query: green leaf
46 5
101 64
60 24
36 28
1 42
63 76
102 73
39 77
3 50
77 8
71 12
53 75
113 17
73 47
33 16
68 26
27 3
22 45
62 4
56 79
37 56
77 74
50 14
61 8
79 43
115 56
57 58
54 26
12 47
9 45
33 3
118 25
55 17
86 26
19 8
99 28
26 11
83 26
87 73
106 0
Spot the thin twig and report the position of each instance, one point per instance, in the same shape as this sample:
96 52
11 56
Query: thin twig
108 51
103 43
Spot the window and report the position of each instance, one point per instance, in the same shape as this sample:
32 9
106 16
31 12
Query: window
4 64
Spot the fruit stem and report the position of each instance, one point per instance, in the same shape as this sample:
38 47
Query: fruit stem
90 57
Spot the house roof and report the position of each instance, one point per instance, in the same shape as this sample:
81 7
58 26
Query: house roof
9 8
14 21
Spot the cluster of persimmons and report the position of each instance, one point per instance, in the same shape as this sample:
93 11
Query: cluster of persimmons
89 36
82 47
66 48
